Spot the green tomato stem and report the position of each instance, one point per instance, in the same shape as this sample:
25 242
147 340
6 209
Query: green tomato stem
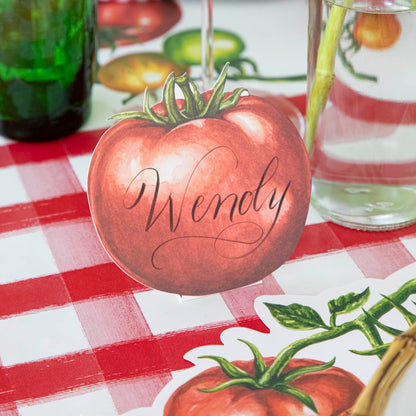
361 323
371 333
195 106
191 104
283 358
324 72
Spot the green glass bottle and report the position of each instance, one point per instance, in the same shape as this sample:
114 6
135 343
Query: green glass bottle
47 60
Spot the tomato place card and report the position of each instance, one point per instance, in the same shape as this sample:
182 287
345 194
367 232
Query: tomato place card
317 357
200 194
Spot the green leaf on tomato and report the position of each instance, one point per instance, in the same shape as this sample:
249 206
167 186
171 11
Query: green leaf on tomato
348 303
296 316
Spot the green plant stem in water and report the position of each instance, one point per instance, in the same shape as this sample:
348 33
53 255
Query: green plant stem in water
324 72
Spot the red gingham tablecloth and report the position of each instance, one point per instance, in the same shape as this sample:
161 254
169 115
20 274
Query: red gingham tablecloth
79 337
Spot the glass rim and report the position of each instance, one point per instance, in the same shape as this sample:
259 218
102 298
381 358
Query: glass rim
376 6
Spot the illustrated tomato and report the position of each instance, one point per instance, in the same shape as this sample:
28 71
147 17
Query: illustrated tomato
282 103
376 31
200 195
184 48
121 23
134 72
333 391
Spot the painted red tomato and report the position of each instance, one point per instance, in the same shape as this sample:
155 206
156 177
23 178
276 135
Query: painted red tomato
203 205
122 23
333 391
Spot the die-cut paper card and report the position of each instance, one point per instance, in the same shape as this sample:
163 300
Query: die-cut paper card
202 194
320 353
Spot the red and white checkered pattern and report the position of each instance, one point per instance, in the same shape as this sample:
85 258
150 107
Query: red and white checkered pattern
79 337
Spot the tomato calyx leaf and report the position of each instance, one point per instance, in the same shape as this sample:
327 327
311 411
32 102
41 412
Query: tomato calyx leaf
229 369
248 382
298 394
237 376
300 371
195 107
281 383
259 365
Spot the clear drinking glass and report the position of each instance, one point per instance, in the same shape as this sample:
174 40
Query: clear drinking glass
207 44
256 83
362 139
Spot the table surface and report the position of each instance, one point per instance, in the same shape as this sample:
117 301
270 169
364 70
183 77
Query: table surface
79 337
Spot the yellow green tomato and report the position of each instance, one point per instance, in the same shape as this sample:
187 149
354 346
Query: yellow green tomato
184 48
134 72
